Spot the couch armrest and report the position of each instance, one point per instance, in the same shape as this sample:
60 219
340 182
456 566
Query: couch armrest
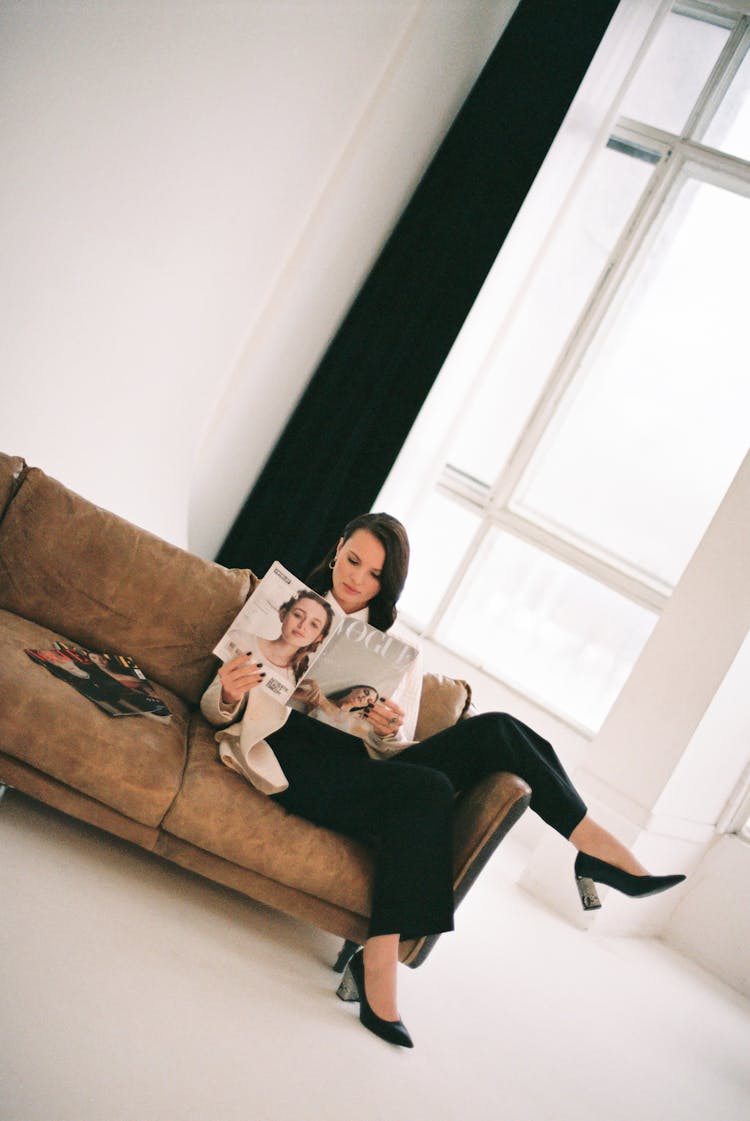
444 701
483 817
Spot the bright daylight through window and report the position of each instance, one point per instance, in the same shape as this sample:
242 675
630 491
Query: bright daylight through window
602 428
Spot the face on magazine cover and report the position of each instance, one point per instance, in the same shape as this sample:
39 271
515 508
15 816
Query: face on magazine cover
360 697
306 622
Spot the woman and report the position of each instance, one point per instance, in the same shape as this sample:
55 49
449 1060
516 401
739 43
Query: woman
355 698
405 799
305 622
346 709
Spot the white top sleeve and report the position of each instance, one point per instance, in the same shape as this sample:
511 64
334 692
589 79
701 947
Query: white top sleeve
215 711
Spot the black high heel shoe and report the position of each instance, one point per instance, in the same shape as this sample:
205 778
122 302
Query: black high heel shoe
588 869
352 988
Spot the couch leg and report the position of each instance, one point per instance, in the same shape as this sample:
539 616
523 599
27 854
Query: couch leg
3 788
345 953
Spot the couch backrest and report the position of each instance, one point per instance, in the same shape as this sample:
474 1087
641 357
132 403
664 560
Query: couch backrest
99 580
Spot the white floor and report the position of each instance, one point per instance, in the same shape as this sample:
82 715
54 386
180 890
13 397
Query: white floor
132 990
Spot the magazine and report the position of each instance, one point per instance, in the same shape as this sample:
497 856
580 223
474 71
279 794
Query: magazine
360 666
280 613
112 681
339 675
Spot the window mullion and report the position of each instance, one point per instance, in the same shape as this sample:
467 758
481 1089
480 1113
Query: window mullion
736 814
719 80
473 546
584 331
628 581
728 172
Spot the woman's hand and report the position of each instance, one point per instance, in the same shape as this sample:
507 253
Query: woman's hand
238 677
385 717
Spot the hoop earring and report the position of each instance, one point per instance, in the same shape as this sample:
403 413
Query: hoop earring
332 564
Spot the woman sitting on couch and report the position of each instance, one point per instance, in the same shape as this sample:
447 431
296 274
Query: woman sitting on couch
406 797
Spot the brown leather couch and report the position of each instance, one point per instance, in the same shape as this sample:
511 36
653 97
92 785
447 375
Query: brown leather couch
70 570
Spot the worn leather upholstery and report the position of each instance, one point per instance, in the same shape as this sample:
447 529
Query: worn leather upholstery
95 578
70 570
133 764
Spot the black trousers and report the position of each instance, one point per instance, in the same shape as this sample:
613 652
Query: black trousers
406 803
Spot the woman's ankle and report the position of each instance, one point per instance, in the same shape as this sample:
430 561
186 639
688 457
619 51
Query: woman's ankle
591 838
381 968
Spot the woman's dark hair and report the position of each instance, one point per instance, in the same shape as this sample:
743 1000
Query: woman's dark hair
394 539
301 660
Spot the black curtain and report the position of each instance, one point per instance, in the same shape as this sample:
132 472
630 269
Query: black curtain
345 434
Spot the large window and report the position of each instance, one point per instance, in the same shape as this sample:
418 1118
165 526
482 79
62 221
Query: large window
557 507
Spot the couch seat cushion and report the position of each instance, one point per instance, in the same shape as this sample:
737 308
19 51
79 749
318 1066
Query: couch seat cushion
217 810
133 764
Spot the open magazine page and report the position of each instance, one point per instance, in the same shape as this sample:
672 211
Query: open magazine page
112 681
285 626
359 665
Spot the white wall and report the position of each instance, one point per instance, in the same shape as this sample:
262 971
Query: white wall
191 194
711 923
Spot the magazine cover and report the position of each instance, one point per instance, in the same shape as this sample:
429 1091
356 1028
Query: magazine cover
359 665
112 681
285 626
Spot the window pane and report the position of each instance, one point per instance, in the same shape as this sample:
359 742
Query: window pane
546 629
730 128
545 314
674 71
658 426
439 536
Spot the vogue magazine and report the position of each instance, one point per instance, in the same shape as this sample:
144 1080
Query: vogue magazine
336 676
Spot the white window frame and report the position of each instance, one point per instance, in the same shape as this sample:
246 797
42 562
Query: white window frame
677 158
736 816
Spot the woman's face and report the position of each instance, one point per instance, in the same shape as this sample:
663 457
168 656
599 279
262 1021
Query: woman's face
359 698
357 570
303 623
